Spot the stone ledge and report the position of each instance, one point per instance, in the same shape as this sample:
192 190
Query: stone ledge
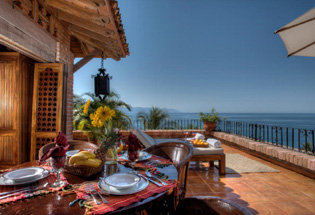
297 159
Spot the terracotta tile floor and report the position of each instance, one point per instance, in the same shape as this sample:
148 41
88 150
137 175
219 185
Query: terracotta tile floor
286 192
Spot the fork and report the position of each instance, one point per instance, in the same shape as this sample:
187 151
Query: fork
95 191
88 189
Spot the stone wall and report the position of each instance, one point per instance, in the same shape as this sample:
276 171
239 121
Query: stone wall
300 161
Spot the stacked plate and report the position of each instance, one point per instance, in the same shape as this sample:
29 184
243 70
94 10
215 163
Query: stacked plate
23 176
142 156
123 184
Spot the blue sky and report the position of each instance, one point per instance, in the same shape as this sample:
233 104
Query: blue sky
194 55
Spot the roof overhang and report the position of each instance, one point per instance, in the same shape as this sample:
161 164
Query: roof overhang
93 25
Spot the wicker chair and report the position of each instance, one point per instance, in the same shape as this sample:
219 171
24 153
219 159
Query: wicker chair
179 154
74 144
206 205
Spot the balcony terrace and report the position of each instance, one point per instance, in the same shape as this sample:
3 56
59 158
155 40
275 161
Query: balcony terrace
283 192
286 192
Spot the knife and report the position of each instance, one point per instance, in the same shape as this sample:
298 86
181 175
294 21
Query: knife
19 190
22 191
154 182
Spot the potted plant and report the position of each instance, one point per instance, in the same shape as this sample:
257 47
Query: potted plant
210 120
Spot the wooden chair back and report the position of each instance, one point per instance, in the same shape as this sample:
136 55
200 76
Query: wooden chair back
179 154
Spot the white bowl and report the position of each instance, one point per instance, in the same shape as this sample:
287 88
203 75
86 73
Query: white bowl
122 180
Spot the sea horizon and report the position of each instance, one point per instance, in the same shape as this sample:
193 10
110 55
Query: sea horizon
290 120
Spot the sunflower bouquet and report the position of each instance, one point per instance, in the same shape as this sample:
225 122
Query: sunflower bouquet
101 129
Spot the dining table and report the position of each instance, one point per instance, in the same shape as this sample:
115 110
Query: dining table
54 203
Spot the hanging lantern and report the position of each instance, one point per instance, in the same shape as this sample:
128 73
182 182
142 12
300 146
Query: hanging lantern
101 82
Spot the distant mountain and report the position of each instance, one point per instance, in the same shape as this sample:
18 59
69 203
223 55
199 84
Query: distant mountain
136 110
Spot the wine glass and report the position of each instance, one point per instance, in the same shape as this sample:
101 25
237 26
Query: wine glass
186 134
133 157
57 162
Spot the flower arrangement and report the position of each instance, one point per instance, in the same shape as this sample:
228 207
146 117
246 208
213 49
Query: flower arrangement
101 129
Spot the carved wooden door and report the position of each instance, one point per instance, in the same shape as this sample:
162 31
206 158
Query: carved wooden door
8 110
47 105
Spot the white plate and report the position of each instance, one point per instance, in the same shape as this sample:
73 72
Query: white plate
114 191
142 156
72 152
24 174
122 180
4 181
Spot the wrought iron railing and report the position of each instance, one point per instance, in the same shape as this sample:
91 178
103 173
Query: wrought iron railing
301 140
297 139
180 124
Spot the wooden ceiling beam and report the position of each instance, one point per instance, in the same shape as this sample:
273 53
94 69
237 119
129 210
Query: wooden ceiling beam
77 11
91 4
83 23
97 44
83 48
86 59
108 41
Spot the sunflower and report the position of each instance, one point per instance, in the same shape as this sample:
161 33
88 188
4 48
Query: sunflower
97 123
105 113
93 116
86 106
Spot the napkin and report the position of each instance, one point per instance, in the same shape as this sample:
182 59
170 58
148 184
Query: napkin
59 150
133 142
200 136
213 142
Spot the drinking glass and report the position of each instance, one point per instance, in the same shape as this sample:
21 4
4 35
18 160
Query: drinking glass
57 163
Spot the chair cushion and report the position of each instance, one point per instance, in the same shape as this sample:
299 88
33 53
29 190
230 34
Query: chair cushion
145 139
208 151
172 140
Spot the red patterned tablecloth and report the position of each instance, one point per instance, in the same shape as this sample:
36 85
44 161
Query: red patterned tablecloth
115 202
27 194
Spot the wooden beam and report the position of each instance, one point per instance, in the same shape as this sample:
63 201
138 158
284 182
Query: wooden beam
83 48
108 41
96 44
83 23
77 11
24 36
97 2
91 5
85 60
35 11
52 25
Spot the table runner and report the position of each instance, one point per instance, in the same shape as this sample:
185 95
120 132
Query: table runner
27 194
115 202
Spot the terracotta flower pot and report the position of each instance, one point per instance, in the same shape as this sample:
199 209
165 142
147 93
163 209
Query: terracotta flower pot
209 126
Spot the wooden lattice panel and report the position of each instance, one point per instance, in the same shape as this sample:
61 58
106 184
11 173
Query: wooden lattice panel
47 102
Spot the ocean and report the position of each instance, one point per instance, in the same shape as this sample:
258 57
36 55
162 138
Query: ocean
290 120
290 134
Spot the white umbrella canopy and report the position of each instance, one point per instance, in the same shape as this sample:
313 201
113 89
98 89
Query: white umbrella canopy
299 35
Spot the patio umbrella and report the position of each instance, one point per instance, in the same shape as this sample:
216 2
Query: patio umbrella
299 35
